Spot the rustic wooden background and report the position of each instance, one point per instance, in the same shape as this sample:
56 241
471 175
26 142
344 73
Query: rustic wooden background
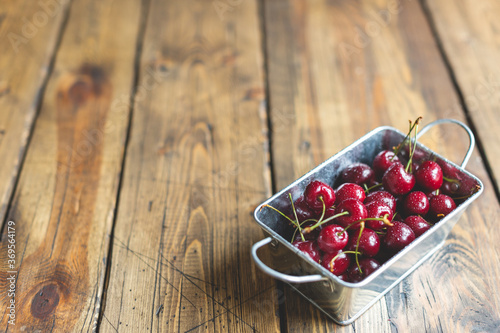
137 137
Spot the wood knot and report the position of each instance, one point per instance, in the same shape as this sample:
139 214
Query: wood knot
80 86
45 301
79 92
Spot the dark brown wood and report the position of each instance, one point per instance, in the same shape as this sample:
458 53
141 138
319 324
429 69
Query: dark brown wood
338 69
64 204
196 167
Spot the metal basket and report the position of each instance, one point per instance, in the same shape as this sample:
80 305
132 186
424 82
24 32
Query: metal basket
342 301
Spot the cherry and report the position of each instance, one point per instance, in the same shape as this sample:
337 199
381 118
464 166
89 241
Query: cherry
377 209
369 242
397 180
429 176
417 224
308 247
319 195
416 203
336 262
384 196
383 161
440 206
332 238
357 173
398 236
356 213
366 267
302 209
349 190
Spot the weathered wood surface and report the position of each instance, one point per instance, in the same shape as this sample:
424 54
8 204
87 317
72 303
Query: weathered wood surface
196 167
469 34
65 199
339 69
28 37
197 156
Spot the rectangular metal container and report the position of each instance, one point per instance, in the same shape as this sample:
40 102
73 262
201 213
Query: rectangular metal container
342 301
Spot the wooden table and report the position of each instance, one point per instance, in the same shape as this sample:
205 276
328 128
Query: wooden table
136 139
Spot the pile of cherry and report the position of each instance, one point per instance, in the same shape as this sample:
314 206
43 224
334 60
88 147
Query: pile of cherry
375 211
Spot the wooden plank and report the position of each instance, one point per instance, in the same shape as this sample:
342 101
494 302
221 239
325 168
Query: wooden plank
339 69
28 36
468 33
196 167
65 200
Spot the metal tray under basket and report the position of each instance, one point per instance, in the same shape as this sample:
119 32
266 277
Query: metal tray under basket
342 301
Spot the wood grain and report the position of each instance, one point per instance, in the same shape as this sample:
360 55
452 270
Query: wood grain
196 167
338 69
65 200
28 37
468 33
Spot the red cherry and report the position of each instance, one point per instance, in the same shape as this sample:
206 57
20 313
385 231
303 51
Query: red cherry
369 243
377 209
440 206
302 209
398 236
332 238
383 161
357 173
349 191
336 262
317 191
397 181
367 265
308 247
356 210
417 224
416 203
429 176
384 196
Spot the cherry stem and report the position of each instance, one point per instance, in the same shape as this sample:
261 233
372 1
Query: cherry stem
296 218
412 151
384 218
451 180
398 148
309 229
277 210
337 256
357 246
368 189
304 231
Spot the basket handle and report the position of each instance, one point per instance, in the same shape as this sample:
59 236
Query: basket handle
277 275
472 140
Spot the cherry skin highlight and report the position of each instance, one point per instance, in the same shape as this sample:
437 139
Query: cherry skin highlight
397 181
440 206
369 242
332 238
418 224
416 203
398 236
309 248
349 191
384 196
357 212
383 161
357 173
336 262
319 194
429 176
